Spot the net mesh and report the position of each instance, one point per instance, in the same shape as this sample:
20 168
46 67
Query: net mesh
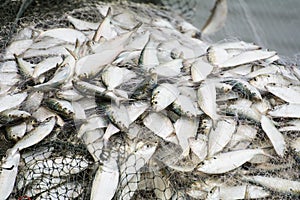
64 166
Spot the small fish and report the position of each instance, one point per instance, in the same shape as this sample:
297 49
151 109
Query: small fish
105 29
61 107
9 116
276 184
11 101
145 87
69 95
242 109
237 45
200 70
89 66
36 135
160 124
25 68
112 81
293 125
163 95
92 123
248 57
136 109
243 191
148 58
289 110
60 77
199 146
65 34
82 25
169 69
185 128
225 162
118 115
17 48
183 105
261 81
207 100
243 136
106 180
33 101
46 65
245 88
16 132
217 18
274 135
8 172
220 136
288 94
213 194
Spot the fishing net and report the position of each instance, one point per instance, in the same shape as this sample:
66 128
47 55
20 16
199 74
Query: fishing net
65 165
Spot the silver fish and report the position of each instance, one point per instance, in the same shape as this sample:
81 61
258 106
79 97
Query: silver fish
217 18
36 135
8 172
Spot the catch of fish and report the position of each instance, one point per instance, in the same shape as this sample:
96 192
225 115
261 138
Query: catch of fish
136 106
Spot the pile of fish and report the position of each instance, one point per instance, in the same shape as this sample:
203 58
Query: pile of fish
136 107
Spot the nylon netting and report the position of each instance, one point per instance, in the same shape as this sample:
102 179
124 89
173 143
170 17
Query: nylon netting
148 164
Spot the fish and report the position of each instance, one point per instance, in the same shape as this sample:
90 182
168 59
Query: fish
45 66
118 115
65 34
275 183
60 77
220 136
112 81
288 94
217 18
225 162
61 107
274 135
184 105
200 70
163 95
105 29
199 146
106 180
81 24
185 128
207 100
36 135
243 192
11 101
16 132
289 110
148 58
8 172
159 124
169 69
17 48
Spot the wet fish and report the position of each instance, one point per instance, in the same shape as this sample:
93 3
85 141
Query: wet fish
101 186
8 172
207 100
276 183
36 135
274 135
163 95
217 18
225 162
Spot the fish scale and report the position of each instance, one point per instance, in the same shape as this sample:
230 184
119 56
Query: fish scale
144 98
